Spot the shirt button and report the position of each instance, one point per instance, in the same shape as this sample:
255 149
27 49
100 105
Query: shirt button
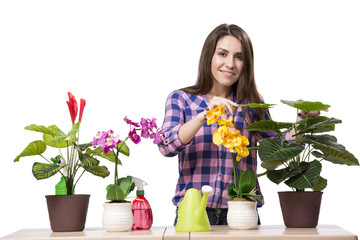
219 174
218 193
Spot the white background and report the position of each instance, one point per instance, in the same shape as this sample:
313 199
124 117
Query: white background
125 57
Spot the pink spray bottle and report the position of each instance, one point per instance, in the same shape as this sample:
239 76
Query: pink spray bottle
141 209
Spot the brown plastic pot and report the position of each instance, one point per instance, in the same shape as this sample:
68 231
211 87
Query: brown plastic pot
67 213
300 209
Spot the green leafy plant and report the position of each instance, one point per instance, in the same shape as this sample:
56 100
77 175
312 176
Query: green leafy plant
290 160
73 156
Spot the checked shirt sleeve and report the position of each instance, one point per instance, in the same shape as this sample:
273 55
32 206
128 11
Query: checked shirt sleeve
174 118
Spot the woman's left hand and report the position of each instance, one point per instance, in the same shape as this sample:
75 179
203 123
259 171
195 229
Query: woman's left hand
303 114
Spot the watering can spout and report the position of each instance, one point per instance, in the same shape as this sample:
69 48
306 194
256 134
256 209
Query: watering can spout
201 211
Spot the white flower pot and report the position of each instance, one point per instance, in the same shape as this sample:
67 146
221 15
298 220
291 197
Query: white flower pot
242 215
117 217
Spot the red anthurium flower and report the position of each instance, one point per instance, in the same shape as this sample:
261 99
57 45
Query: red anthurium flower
73 107
82 105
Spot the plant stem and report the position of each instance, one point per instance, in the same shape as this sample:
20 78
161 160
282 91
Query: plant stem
261 174
234 170
45 158
116 163
117 158
79 178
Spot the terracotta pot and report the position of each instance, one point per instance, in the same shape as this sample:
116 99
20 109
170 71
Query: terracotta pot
67 213
300 209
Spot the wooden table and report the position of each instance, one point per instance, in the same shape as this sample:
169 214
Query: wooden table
218 232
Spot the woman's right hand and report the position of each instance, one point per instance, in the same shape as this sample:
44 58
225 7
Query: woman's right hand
228 104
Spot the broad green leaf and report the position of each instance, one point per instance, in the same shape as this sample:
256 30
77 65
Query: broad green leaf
45 170
100 171
318 124
307 178
323 140
257 105
306 105
126 185
114 193
277 149
263 126
247 181
336 156
56 138
278 176
89 161
320 184
91 164
231 192
272 165
78 149
34 148
43 129
83 147
123 148
56 142
100 152
72 133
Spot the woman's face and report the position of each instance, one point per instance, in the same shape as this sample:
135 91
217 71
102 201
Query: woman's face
227 63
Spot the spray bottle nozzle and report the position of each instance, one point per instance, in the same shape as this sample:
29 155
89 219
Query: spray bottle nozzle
139 183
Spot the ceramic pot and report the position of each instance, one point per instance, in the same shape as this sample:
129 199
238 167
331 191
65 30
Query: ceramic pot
117 217
67 213
300 209
242 215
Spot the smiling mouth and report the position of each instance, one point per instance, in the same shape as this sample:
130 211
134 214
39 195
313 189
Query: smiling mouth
227 73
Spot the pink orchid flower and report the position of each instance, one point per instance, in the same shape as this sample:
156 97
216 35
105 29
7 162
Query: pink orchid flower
145 133
158 136
134 136
128 121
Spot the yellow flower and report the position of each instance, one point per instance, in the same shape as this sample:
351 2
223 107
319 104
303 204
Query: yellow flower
244 141
220 134
241 152
225 122
237 144
214 114
233 139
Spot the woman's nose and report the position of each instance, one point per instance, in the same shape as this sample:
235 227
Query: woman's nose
230 62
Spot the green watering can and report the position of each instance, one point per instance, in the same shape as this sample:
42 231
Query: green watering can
192 216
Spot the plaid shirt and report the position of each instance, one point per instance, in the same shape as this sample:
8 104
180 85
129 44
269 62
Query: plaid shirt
201 162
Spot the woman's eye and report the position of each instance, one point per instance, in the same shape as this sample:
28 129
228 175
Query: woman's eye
239 57
222 54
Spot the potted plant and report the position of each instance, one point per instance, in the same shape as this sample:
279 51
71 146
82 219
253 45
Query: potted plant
118 214
67 210
242 212
288 158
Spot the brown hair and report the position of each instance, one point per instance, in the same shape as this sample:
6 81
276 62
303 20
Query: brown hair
245 88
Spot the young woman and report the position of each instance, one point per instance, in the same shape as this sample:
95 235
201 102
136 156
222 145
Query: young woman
226 77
